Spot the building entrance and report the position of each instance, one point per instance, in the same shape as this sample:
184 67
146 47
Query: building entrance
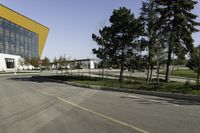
10 63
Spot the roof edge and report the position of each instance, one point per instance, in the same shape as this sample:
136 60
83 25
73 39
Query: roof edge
24 16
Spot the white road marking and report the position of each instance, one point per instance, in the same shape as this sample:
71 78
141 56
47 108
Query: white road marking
151 100
156 101
131 96
176 105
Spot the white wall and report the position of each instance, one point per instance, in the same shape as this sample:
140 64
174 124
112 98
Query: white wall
3 63
17 60
92 65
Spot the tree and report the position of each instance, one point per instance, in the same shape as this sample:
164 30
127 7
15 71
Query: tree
137 62
34 62
27 61
160 54
46 62
104 43
62 61
149 18
178 23
119 41
55 62
194 62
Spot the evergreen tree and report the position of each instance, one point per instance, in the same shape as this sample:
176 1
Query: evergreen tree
62 62
104 42
46 62
34 62
119 41
55 62
178 23
149 18
194 62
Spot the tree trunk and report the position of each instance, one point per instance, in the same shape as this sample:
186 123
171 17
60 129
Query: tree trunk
149 66
148 72
102 72
158 63
122 67
167 76
173 63
151 73
103 62
158 71
121 74
102 68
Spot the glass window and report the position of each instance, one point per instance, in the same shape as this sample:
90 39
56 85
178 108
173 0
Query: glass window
15 39
1 40
9 63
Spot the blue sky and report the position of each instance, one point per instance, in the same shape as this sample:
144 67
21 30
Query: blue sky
72 22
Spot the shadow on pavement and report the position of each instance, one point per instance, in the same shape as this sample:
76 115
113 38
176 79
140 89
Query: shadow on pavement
30 79
25 113
178 101
162 101
153 100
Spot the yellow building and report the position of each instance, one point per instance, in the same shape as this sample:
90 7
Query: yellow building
20 35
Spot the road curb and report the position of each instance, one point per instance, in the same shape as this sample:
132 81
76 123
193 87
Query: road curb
143 92
179 77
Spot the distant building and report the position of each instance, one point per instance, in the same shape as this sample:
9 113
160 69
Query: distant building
20 37
81 64
78 64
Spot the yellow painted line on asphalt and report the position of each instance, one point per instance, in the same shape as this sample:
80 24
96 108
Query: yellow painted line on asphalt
96 113
103 116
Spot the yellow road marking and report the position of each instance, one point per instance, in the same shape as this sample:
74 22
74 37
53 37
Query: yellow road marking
98 114
104 116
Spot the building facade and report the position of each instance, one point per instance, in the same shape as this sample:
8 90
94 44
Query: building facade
16 40
20 36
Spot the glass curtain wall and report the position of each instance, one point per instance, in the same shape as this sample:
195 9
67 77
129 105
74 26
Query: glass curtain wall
17 40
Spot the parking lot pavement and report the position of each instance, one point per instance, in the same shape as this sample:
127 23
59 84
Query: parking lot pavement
29 105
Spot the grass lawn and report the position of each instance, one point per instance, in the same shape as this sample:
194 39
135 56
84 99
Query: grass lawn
183 73
137 84
139 79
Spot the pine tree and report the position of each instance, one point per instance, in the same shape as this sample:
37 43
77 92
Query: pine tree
194 62
178 23
104 52
149 18
46 62
119 41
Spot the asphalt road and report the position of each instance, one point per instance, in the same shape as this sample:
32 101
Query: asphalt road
28 105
